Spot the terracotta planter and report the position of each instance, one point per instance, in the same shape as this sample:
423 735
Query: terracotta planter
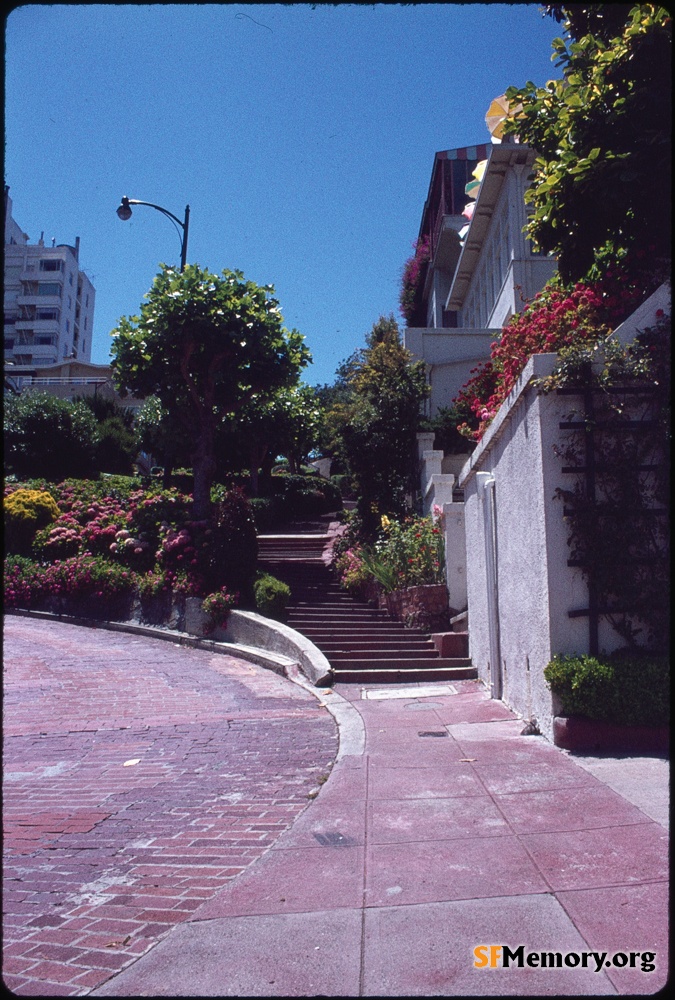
578 733
420 607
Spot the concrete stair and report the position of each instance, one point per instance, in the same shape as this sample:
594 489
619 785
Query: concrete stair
361 643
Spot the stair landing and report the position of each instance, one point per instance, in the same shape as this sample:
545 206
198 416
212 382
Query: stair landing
361 643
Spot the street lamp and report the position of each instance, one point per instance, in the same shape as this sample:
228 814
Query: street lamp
124 212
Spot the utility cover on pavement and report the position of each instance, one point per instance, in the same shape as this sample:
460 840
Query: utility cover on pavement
408 692
334 839
432 732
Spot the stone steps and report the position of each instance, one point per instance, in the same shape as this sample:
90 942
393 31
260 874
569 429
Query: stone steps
362 643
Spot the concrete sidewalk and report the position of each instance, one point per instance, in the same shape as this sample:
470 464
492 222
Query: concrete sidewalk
440 829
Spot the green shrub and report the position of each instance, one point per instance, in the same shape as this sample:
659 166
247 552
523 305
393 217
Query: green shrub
625 687
50 437
271 596
293 496
265 512
344 484
24 513
231 560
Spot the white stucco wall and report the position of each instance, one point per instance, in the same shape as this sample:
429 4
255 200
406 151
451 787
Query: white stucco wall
535 587
455 554
449 356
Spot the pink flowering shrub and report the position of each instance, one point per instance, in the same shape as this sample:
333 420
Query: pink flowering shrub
106 542
218 606
29 584
352 571
557 317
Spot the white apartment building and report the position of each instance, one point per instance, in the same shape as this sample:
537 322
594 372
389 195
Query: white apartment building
49 301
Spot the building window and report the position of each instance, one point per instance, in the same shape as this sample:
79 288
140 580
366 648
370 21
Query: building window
9 343
47 314
86 301
70 302
48 288
70 278
43 338
51 265
85 322
84 346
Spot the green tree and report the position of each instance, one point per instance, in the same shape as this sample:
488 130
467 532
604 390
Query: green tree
602 177
49 437
117 441
376 426
205 345
284 424
164 436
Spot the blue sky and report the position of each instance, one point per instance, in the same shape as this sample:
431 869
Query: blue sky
303 140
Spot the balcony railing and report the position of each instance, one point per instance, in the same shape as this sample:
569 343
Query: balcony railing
54 380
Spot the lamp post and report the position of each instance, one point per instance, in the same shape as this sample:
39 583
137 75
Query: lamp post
124 212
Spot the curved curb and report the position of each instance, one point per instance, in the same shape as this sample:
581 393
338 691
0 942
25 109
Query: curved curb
262 633
350 724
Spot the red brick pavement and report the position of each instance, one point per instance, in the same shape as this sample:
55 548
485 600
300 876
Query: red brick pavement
139 777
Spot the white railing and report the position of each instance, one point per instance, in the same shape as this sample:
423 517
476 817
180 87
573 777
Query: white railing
53 380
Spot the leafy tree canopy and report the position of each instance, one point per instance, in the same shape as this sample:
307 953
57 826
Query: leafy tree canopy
204 345
374 425
284 423
602 178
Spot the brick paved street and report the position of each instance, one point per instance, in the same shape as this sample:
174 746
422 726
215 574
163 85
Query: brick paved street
139 777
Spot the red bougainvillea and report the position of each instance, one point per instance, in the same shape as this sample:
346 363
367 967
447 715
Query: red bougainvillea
557 317
412 283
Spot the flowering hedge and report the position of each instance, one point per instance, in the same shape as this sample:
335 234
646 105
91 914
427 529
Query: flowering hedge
557 317
29 584
103 544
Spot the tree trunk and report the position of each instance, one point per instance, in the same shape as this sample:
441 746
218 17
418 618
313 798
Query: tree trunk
257 453
167 465
266 471
204 468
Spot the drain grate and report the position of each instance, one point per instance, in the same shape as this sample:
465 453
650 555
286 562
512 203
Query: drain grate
433 732
334 839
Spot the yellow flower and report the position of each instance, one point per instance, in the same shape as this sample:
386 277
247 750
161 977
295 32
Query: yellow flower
385 522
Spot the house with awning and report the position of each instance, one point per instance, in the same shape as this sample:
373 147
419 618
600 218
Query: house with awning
481 268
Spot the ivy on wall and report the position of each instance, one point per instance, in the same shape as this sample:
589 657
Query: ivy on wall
619 451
